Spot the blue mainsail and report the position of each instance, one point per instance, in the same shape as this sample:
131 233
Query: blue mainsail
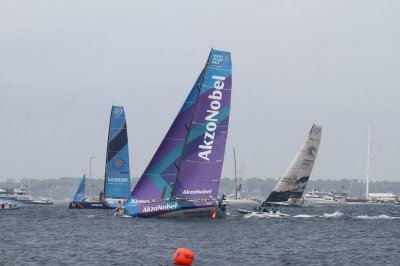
80 193
117 183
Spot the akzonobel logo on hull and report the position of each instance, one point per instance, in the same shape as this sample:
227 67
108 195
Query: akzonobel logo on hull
160 208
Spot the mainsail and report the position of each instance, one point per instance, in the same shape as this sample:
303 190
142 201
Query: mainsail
294 179
117 177
188 162
80 193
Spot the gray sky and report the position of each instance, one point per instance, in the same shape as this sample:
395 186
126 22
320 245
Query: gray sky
64 63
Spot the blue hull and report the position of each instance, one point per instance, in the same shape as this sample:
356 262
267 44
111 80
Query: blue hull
90 205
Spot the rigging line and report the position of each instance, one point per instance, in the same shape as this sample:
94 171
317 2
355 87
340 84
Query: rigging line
190 125
108 149
99 138
87 164
356 168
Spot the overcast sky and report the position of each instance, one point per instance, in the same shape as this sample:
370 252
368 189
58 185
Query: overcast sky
295 63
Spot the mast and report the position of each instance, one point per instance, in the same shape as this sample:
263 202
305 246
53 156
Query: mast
236 178
90 176
108 147
368 155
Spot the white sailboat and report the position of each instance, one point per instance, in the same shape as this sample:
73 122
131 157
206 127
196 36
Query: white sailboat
238 197
290 187
364 199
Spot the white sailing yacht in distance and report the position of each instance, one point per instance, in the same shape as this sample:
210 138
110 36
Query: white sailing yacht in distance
372 197
237 197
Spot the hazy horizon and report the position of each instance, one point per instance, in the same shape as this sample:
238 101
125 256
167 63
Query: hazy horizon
64 63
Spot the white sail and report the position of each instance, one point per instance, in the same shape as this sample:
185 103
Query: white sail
293 182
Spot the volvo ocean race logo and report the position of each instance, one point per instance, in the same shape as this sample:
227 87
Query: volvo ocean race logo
160 208
211 119
219 59
118 111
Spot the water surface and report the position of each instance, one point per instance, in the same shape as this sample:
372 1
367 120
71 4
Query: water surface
326 235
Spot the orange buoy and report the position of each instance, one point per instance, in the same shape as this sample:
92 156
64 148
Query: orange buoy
183 256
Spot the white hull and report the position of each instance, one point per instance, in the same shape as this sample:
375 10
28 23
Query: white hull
240 201
320 201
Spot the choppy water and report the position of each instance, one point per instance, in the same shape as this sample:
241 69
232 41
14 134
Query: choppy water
328 235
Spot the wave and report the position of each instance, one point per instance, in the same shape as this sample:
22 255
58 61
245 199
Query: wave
305 216
264 215
325 215
333 215
382 216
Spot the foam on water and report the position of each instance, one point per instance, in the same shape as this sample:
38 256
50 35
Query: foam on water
382 216
336 214
305 216
262 215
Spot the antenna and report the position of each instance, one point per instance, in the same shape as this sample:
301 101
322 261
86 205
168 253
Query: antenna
90 176
236 178
369 152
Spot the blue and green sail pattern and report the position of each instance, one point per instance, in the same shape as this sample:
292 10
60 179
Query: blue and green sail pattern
80 193
117 182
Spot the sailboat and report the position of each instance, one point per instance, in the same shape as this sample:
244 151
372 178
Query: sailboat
290 187
79 194
237 197
366 198
183 177
117 183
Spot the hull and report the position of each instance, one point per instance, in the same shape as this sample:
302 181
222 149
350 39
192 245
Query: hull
240 201
284 204
41 203
356 200
16 200
320 201
11 208
90 205
175 209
